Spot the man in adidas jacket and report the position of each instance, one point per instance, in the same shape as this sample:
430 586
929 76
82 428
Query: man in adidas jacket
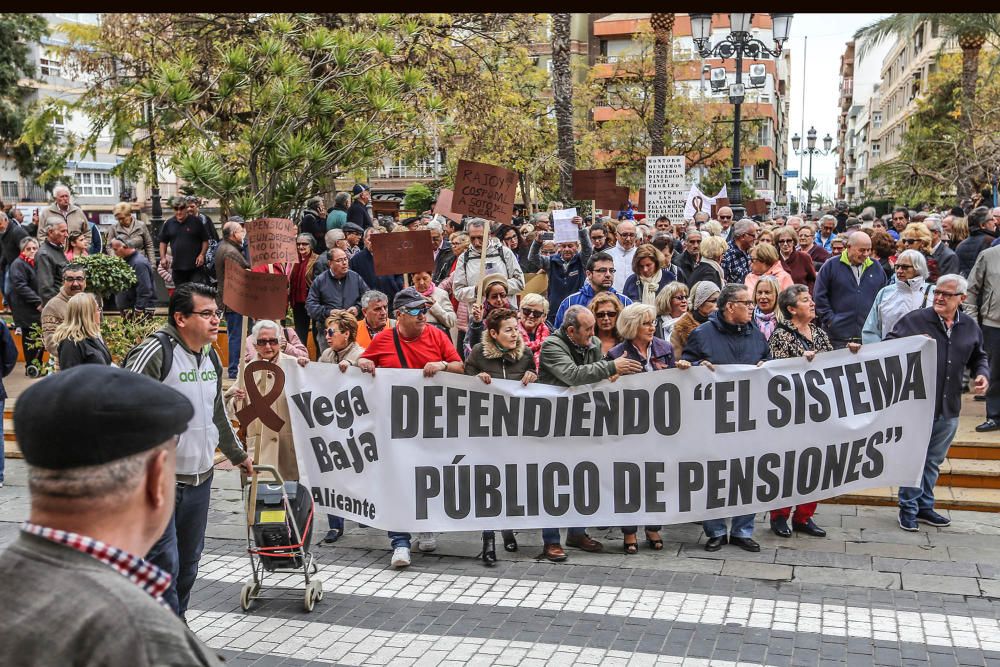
499 259
193 368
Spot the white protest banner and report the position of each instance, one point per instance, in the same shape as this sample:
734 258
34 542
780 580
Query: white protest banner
398 451
565 230
699 201
665 187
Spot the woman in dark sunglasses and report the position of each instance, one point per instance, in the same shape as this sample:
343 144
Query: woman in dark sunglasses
531 322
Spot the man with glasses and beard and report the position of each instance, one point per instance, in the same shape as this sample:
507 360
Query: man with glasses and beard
411 344
188 241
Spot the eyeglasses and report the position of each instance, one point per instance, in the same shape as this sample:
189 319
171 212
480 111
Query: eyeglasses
303 245
725 217
748 303
626 235
606 270
415 312
69 279
267 342
209 314
787 241
947 295
681 297
331 332
903 266
528 312
340 260
909 241
606 315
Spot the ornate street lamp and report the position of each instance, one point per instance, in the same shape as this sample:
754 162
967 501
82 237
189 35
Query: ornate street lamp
811 150
738 44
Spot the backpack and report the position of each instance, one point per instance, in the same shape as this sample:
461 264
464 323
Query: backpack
167 345
213 245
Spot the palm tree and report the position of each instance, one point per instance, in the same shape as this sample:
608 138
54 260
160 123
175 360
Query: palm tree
562 92
971 32
662 25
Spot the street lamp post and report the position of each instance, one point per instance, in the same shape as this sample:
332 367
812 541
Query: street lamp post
156 209
811 150
739 44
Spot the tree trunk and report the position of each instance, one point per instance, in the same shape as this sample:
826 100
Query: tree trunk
562 92
662 24
970 74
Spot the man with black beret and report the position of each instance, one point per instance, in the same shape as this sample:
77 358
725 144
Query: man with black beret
180 355
75 588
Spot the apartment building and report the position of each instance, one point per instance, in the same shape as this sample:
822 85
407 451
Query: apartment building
765 110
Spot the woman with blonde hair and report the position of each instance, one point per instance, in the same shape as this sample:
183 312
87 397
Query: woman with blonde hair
78 338
959 231
531 322
766 314
671 304
712 250
127 227
765 261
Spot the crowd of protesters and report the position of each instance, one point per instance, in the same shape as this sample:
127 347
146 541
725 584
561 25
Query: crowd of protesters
504 301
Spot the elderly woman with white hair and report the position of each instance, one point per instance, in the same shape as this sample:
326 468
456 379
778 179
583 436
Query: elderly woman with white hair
267 447
910 291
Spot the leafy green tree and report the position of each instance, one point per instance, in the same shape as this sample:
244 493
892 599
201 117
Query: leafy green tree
417 198
259 111
972 32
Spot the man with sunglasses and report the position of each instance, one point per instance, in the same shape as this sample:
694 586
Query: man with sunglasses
188 241
181 356
959 346
600 278
411 344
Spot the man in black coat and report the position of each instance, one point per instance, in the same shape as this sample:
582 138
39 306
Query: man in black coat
314 220
945 257
982 232
11 234
339 288
358 212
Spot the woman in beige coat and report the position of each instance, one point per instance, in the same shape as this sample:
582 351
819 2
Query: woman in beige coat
268 447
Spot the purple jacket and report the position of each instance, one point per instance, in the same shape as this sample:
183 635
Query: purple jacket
661 354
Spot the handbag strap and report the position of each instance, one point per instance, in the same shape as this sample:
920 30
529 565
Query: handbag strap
399 349
927 290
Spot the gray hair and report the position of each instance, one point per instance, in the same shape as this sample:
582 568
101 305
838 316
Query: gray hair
979 216
25 241
963 284
93 483
917 259
933 223
827 217
788 220
742 227
477 222
260 325
331 238
790 297
60 188
313 203
631 317
228 229
728 293
373 295
571 318
435 226
341 199
307 237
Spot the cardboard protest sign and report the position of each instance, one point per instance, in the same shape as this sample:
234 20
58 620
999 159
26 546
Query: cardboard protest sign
403 252
443 205
272 240
385 207
664 187
484 190
614 199
262 296
756 206
565 230
717 204
588 182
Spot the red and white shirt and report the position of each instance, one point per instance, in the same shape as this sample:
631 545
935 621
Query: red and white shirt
147 576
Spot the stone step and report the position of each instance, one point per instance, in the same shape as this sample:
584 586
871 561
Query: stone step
945 497
970 473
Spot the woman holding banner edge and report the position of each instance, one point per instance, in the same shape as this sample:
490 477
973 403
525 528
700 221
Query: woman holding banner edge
502 354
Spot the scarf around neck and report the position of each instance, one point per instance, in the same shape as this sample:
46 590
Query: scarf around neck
765 321
647 295
541 333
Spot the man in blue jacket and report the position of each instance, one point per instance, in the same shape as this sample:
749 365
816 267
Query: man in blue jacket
845 290
600 278
959 346
567 269
729 337
336 289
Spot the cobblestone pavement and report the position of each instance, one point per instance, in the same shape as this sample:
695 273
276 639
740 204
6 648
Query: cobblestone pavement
868 594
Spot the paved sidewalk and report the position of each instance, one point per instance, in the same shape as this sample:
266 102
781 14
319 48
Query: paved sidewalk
869 593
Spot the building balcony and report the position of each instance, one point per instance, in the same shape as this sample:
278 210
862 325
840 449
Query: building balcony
22 191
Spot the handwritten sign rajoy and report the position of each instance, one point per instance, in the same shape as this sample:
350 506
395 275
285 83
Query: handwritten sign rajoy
587 183
272 240
262 296
484 190
405 252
